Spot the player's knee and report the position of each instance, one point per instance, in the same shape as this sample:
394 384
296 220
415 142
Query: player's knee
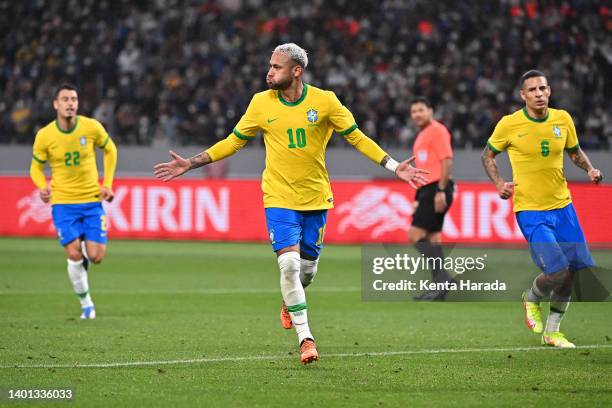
308 269
95 253
96 258
560 278
289 265
74 254
416 234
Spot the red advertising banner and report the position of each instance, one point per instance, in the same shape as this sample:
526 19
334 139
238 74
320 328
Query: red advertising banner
232 210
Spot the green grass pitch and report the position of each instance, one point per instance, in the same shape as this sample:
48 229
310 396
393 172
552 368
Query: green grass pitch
199 324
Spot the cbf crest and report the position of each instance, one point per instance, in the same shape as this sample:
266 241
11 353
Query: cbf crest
312 115
557 132
83 140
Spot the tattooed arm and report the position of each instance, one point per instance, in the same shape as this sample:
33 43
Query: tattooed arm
199 160
504 189
179 165
581 160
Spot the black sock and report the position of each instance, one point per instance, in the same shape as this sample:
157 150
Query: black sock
434 253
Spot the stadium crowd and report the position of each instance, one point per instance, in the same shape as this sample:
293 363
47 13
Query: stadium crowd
168 71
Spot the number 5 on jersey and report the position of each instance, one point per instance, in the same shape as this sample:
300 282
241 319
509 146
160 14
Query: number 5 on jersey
300 137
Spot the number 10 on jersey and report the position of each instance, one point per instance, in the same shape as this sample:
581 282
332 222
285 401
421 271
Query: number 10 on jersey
300 138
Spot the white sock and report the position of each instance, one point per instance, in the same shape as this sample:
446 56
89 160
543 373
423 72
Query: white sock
308 270
535 294
558 307
293 293
84 249
302 329
78 277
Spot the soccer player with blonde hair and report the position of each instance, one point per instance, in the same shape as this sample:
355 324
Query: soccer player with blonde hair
68 145
297 121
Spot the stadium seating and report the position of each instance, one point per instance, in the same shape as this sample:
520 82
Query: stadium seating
183 72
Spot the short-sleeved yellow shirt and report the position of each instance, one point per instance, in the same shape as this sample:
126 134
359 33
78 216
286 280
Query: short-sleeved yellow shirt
296 135
535 148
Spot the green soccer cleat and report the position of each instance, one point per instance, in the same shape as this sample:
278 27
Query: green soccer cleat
556 339
533 315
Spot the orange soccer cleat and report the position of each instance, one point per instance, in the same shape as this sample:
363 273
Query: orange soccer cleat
309 351
285 317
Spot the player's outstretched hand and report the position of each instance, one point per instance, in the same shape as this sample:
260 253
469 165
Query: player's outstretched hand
506 189
106 194
172 169
45 194
413 176
595 175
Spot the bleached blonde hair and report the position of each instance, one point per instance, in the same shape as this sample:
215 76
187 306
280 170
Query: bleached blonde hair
295 52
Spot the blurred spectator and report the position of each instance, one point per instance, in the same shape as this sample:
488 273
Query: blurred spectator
21 116
183 70
105 114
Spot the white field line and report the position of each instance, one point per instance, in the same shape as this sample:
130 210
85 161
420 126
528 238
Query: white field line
286 356
203 291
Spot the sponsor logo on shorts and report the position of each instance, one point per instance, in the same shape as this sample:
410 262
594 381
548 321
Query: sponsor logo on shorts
272 237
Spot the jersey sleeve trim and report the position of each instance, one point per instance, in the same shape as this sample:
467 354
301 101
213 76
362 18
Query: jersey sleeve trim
38 160
348 131
493 149
573 149
241 136
103 145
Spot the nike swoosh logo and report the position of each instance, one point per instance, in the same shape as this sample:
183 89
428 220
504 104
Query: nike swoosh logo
521 134
271 120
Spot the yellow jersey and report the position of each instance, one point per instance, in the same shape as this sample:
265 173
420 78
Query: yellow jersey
535 148
71 156
296 135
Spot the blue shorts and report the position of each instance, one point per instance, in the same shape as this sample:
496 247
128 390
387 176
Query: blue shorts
86 221
289 227
555 239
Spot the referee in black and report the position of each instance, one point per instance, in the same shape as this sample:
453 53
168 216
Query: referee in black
433 152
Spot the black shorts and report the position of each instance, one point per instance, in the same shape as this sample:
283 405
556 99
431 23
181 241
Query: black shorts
425 216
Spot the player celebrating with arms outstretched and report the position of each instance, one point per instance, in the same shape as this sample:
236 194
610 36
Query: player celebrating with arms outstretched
535 138
67 144
297 121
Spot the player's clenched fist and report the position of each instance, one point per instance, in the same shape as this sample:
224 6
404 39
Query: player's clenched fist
106 194
45 194
595 175
506 189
